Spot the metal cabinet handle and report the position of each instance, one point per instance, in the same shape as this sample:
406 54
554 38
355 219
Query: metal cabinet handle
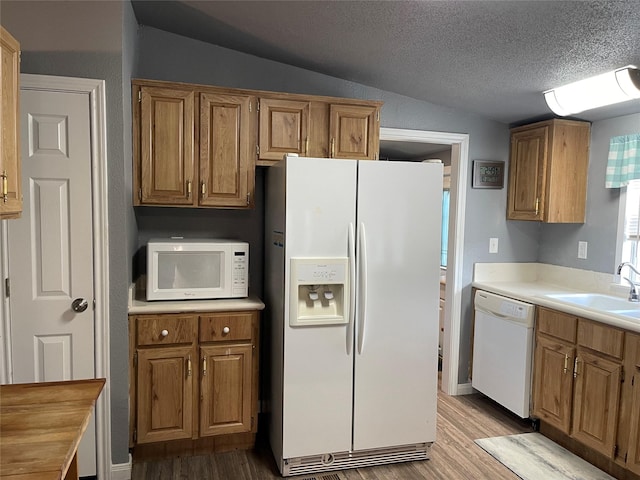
188 188
333 147
79 305
189 371
566 363
5 186
204 366
575 368
537 205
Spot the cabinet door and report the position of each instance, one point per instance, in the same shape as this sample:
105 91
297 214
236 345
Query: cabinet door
165 394
354 132
166 146
596 400
527 174
225 389
227 134
553 382
11 181
283 128
633 455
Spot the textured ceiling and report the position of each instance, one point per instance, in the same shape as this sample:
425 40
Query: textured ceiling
492 58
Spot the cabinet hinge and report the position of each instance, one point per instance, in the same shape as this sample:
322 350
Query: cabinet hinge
253 421
257 106
7 288
378 115
140 194
139 96
615 451
135 435
135 359
258 150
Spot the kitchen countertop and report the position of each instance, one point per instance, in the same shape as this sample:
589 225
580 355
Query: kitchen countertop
139 305
532 283
42 424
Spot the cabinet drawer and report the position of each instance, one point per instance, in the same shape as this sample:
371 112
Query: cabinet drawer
556 324
226 327
601 338
166 329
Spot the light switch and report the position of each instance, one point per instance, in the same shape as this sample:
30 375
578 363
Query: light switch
582 249
493 245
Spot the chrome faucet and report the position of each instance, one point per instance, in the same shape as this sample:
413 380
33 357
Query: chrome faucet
633 293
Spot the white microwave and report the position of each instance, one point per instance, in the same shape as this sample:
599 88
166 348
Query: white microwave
189 269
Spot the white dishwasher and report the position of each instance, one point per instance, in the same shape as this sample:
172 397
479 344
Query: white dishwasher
503 350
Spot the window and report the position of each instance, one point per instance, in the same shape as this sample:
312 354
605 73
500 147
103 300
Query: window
630 251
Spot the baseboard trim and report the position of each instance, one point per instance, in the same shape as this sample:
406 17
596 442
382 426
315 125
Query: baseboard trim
465 389
121 471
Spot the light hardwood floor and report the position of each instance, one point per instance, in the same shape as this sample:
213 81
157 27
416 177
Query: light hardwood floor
461 420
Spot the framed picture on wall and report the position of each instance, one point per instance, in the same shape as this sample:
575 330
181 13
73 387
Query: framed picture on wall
487 174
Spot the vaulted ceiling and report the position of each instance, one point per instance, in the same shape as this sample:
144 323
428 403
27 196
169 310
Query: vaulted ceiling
492 58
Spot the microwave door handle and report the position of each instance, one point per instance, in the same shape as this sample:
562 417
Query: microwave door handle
351 248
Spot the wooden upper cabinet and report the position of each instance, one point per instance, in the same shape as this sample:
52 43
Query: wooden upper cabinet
166 146
284 128
227 130
198 145
10 163
548 171
354 131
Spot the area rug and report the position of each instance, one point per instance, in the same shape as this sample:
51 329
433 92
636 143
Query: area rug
533 456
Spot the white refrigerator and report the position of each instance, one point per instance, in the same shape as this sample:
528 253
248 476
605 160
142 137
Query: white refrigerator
352 263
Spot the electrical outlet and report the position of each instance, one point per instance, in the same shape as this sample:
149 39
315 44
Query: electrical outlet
582 249
493 245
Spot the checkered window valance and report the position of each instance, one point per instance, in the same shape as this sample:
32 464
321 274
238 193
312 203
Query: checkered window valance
624 161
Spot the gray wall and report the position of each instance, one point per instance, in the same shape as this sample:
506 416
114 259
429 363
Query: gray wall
85 39
559 243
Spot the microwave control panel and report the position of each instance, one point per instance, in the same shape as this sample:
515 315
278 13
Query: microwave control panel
240 273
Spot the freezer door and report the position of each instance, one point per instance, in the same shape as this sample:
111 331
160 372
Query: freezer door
318 359
398 216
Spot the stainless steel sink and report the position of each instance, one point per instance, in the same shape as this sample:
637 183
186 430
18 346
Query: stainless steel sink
597 301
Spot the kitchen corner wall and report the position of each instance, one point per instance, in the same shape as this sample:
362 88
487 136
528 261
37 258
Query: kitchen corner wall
96 40
559 242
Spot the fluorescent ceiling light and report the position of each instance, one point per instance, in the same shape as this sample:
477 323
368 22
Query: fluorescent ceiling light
612 87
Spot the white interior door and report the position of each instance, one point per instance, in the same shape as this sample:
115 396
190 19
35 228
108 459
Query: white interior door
50 249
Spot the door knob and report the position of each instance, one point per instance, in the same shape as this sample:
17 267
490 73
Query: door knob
79 305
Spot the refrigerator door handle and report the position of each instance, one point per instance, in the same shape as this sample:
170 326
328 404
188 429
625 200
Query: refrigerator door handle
362 282
351 248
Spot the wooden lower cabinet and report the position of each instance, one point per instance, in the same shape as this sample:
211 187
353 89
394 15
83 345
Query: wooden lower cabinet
596 400
630 417
165 394
586 389
193 377
553 382
225 390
